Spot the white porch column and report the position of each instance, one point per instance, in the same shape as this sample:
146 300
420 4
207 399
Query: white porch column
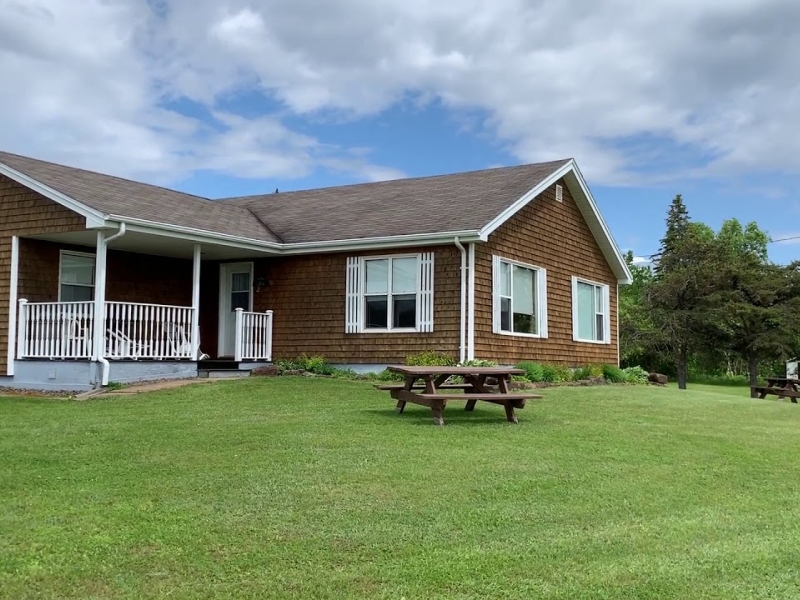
196 303
98 349
12 306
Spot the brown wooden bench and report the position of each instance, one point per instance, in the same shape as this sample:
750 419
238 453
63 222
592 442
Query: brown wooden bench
764 390
428 386
421 386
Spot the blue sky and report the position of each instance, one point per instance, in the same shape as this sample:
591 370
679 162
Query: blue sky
232 97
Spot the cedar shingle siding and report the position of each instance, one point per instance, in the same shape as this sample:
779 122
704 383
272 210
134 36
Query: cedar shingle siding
555 236
25 212
308 296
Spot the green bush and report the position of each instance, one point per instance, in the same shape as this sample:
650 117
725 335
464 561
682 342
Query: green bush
550 374
732 380
477 362
588 372
534 372
613 374
561 373
430 359
312 364
385 375
635 375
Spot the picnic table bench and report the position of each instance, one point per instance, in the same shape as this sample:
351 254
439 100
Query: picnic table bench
430 386
782 387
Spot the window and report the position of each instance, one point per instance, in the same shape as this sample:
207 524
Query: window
590 314
76 277
520 298
392 293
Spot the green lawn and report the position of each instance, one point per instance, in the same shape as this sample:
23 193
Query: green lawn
731 390
312 488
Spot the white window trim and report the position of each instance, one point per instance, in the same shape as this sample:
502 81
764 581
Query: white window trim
362 328
541 301
606 314
60 263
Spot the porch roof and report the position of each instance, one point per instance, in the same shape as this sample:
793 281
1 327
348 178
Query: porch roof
111 195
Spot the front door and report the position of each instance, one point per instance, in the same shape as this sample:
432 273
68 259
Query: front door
235 291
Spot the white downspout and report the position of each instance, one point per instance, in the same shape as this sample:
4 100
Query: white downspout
100 300
12 306
471 305
463 329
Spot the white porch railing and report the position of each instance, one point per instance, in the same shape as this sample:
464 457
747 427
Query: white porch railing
65 330
148 331
253 339
55 329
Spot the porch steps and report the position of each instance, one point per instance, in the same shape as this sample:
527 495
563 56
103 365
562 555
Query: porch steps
221 369
222 373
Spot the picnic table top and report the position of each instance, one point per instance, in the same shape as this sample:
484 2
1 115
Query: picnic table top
408 371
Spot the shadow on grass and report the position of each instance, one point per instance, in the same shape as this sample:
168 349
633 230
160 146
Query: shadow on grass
461 417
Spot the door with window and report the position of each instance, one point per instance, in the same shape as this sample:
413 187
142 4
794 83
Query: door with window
236 291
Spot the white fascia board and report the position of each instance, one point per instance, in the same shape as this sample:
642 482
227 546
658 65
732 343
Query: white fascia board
525 199
570 172
92 216
397 241
201 236
621 270
192 235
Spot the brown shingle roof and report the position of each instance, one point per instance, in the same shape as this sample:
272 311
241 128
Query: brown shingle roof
115 196
445 203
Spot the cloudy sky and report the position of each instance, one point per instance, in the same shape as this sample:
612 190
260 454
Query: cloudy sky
228 97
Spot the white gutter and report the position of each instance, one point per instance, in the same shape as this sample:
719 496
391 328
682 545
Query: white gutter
463 332
201 235
100 299
471 304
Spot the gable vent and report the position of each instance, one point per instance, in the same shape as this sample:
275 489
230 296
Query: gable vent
559 193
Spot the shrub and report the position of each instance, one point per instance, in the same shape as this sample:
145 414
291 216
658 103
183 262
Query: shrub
534 372
430 359
588 372
635 375
734 380
385 375
561 373
477 362
550 374
312 364
613 374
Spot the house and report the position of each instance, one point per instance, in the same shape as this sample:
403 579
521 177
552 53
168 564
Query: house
103 278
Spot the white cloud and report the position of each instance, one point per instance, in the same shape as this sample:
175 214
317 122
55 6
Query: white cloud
608 82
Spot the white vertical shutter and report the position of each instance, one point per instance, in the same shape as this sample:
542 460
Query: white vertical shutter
353 299
606 315
575 308
425 303
496 294
542 302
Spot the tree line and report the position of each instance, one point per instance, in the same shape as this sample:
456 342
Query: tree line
711 303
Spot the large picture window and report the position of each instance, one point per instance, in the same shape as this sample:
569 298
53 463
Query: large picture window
520 298
76 277
590 311
390 293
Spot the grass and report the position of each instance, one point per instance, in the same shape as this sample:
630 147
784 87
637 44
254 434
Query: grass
740 391
313 488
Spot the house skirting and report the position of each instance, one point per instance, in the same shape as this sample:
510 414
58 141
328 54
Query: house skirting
83 375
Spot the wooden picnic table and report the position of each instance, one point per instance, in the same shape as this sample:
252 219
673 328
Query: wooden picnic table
782 387
430 386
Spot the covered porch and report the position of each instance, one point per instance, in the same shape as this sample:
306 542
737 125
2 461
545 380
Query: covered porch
135 298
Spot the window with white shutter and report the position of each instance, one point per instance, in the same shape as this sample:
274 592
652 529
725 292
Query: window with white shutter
520 298
389 294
